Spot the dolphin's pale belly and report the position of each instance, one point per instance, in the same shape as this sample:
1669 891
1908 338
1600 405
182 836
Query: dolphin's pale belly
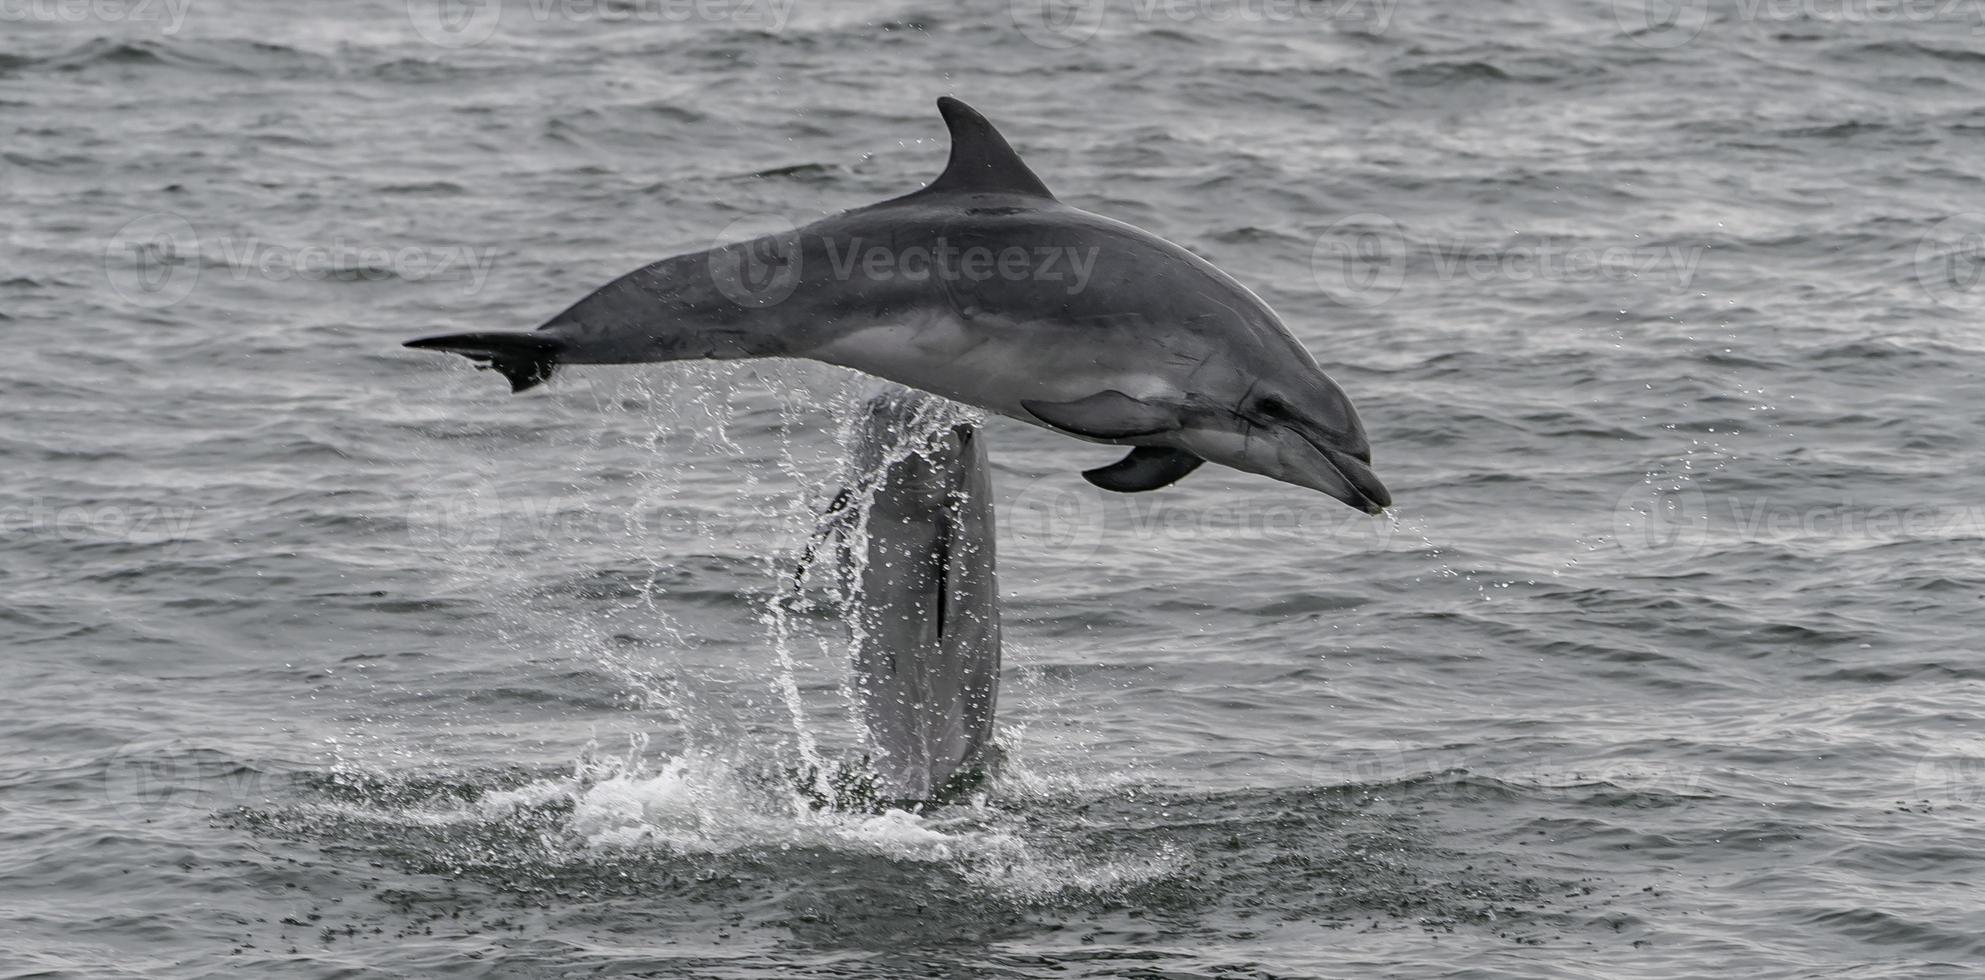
994 367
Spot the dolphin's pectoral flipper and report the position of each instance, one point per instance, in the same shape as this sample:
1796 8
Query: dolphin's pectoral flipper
1108 414
527 359
1146 468
835 519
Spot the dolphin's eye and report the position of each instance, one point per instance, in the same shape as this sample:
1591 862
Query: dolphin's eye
1271 407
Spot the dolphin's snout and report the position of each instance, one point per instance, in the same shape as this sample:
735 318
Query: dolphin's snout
1328 463
1340 464
1357 473
1335 432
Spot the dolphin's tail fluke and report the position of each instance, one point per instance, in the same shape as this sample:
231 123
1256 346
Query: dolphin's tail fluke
527 359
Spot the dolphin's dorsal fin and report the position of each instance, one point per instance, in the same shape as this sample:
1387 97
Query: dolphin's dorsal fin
981 161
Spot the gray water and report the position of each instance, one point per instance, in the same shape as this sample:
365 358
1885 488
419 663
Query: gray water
323 658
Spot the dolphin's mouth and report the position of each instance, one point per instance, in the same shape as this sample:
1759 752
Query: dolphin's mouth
1372 496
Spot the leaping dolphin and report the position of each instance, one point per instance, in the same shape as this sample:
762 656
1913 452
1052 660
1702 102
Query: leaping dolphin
925 604
952 289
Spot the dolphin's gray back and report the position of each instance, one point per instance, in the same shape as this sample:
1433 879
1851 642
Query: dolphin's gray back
793 294
927 630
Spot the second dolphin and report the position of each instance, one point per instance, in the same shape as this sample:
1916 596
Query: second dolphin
924 593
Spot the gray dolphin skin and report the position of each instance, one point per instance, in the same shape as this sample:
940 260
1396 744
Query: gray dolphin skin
926 623
984 289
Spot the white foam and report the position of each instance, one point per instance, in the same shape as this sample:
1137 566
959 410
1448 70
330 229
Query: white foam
704 804
700 804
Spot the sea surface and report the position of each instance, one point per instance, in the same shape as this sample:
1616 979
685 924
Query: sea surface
324 658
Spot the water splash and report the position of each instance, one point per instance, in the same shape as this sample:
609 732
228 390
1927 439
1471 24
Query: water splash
615 807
